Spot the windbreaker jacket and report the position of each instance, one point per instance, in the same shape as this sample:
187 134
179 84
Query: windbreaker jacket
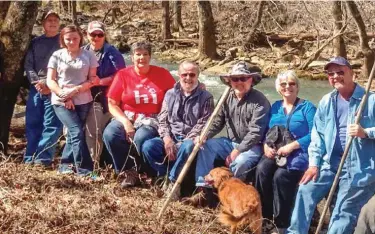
361 157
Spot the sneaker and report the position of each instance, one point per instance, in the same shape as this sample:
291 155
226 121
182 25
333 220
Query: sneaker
65 169
197 200
41 166
176 195
131 179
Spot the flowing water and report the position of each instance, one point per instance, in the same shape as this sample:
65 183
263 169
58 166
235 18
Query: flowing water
309 90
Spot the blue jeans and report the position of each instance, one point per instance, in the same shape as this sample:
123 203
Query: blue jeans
75 151
153 151
220 148
43 128
114 138
344 216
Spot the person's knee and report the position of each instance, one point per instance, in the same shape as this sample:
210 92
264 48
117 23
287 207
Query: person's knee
147 147
280 176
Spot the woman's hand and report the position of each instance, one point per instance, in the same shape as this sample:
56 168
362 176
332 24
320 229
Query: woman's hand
69 104
285 150
130 130
95 80
269 152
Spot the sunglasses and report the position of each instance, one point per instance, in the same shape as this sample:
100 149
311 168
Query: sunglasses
242 79
184 75
291 84
99 35
331 74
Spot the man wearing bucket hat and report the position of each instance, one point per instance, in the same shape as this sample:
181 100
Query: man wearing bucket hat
332 127
245 114
42 125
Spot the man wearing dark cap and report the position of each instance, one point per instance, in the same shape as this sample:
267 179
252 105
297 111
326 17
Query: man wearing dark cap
245 114
333 125
42 125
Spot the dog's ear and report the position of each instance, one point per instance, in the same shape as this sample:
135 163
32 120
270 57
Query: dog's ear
252 205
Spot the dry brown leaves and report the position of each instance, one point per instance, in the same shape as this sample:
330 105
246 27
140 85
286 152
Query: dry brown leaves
33 200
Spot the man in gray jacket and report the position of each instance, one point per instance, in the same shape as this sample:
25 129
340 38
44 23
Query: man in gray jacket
245 114
185 111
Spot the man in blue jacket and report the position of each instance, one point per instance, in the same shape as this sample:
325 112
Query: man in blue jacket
43 128
333 125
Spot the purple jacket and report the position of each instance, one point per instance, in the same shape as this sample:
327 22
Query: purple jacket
184 117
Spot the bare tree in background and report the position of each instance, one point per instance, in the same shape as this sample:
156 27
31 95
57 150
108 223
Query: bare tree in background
15 36
338 42
165 23
177 20
74 12
207 41
258 19
363 38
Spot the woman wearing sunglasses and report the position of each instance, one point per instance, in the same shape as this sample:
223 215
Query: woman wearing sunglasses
277 184
110 61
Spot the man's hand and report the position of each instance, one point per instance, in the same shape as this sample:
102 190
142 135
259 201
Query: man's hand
357 130
170 148
42 88
230 158
130 130
269 152
311 173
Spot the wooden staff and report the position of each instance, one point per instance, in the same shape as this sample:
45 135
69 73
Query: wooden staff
346 151
195 151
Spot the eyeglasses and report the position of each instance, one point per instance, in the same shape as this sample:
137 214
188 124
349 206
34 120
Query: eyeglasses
99 35
242 79
332 74
188 74
291 84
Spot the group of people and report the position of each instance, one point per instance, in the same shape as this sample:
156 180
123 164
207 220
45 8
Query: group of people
289 150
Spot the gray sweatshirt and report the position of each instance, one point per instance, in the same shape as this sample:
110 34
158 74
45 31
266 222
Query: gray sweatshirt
37 57
246 119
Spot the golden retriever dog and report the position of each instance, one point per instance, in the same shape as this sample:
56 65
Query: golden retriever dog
240 203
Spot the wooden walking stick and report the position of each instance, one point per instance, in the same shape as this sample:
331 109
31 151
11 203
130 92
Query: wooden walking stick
346 151
195 151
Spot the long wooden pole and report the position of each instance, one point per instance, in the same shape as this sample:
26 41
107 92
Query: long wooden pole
194 152
346 151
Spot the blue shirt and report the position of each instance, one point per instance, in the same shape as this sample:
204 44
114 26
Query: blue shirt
341 124
300 126
360 164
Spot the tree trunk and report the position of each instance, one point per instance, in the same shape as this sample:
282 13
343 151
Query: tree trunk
74 13
338 42
207 41
363 39
177 21
252 34
15 38
3 10
165 22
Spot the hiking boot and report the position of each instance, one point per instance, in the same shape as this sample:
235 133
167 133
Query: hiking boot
176 195
131 179
197 200
41 166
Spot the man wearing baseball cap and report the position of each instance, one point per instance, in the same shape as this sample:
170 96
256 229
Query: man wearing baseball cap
42 125
245 114
333 125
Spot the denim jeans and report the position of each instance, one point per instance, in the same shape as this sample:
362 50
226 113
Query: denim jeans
43 129
350 200
154 153
277 188
75 151
114 138
95 124
220 148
